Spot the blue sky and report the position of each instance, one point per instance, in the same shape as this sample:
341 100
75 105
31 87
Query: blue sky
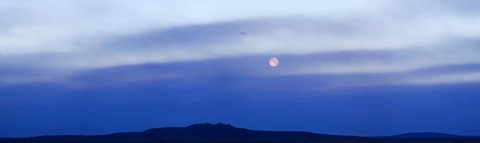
346 67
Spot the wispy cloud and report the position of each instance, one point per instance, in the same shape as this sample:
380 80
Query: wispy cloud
54 36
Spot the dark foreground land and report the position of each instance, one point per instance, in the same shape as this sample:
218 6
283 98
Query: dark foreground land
224 133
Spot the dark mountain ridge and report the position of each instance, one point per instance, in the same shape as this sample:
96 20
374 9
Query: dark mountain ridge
226 132
429 135
220 132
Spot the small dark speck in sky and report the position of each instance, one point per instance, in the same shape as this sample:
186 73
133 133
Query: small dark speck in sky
3 23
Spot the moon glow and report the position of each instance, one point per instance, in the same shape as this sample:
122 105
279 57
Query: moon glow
273 62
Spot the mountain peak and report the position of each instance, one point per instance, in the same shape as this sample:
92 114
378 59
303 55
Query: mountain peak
210 125
208 132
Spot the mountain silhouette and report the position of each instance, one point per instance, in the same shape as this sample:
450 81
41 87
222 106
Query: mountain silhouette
428 135
226 133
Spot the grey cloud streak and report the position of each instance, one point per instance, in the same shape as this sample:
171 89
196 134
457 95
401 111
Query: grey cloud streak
60 43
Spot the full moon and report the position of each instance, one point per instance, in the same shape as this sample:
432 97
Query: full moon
273 62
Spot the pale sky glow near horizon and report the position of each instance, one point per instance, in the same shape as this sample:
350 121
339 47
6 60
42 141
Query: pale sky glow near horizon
377 60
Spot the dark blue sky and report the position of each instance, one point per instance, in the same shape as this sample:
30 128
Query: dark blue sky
131 98
346 67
